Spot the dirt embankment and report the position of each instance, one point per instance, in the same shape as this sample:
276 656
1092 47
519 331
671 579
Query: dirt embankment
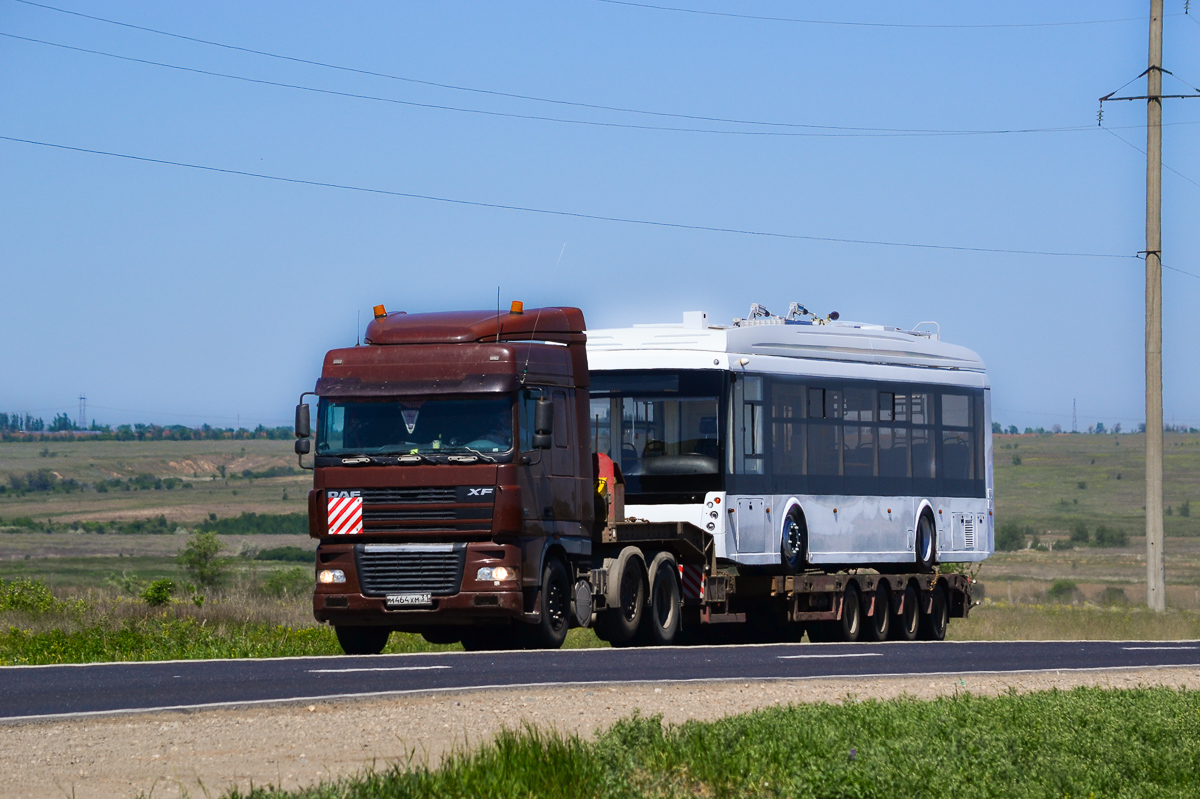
206 752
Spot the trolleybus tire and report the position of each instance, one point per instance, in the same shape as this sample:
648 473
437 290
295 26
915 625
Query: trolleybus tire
933 624
793 547
926 543
905 623
618 625
362 640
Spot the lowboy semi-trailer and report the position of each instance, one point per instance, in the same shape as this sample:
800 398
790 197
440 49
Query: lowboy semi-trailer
496 478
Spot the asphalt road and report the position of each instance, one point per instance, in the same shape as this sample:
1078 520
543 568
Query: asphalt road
28 692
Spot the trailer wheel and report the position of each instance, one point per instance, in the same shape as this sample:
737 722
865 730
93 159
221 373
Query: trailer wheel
848 628
660 620
362 640
793 548
926 543
619 625
555 601
933 624
879 624
904 624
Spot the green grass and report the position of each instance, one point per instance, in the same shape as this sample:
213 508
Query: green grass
1082 743
1044 491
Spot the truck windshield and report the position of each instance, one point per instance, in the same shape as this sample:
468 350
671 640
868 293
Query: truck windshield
415 426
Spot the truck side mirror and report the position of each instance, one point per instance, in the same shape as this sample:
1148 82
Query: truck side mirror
303 428
543 423
303 446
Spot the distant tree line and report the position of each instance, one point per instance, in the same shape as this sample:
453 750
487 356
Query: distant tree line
18 427
1098 428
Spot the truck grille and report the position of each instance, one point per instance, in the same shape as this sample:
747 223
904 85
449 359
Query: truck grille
408 496
396 568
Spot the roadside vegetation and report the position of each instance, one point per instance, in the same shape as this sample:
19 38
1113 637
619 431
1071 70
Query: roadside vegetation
1082 743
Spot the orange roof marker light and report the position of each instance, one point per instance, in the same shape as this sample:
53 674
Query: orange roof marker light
517 307
380 312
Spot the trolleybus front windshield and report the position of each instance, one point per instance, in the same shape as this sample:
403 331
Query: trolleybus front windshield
663 429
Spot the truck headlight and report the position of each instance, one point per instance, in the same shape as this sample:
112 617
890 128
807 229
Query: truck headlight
496 573
331 576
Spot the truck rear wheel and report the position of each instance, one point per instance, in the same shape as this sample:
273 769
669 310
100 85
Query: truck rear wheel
555 606
933 624
362 640
660 620
619 625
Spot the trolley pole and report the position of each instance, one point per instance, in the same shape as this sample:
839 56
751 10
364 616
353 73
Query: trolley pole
1156 577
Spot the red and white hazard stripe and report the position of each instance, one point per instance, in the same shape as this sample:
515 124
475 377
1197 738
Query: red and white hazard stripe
345 515
692 578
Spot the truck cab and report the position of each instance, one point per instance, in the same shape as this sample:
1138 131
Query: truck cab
452 479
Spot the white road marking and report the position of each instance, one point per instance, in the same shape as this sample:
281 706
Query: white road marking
380 668
842 655
1167 648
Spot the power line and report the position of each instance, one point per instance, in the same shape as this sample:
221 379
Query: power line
1143 152
509 95
729 14
825 132
569 214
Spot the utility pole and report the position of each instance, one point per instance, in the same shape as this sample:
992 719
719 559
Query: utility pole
1156 574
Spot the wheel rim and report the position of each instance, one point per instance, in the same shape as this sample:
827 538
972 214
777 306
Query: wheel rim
629 594
851 613
556 603
924 540
662 603
794 537
882 611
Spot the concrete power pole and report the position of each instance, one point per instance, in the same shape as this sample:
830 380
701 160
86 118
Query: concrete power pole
1156 576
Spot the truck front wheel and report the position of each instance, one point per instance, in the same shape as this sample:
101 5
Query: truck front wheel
555 601
362 640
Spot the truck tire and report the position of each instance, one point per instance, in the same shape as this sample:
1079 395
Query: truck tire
554 602
362 640
926 543
619 625
905 623
933 624
660 619
793 546
878 625
485 637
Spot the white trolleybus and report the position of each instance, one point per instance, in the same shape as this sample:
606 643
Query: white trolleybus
801 443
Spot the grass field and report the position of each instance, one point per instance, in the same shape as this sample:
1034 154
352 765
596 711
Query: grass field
1078 744
1049 593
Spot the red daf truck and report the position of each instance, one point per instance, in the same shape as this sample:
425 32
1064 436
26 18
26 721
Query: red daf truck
456 495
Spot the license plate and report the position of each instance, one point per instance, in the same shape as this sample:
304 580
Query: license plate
409 600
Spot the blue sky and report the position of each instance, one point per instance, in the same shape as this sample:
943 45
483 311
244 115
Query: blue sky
178 295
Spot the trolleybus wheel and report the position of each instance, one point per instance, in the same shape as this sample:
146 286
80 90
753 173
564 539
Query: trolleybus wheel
904 623
362 640
879 623
926 545
619 625
555 601
660 619
793 548
933 624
